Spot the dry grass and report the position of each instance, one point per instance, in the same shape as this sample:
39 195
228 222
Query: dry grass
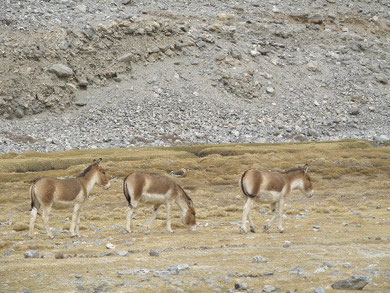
351 180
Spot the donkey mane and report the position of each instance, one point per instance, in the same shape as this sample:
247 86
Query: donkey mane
186 197
87 170
293 170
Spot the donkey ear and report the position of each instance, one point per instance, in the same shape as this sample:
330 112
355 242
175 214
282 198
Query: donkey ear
306 168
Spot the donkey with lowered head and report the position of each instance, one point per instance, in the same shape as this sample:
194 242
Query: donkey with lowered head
157 190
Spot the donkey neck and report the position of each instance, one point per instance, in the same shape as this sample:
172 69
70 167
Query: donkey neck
181 202
89 180
295 179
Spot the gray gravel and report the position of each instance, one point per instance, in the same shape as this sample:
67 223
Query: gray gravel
158 73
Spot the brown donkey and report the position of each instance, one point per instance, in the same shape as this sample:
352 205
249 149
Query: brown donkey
272 188
52 192
157 190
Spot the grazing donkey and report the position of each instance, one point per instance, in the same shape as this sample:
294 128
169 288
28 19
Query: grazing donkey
157 190
272 188
57 193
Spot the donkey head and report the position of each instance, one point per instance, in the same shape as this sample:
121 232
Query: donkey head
306 187
102 177
189 218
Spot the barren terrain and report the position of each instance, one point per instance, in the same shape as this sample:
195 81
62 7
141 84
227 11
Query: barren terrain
340 232
121 73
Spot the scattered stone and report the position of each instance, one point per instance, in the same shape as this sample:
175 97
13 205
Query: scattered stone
287 244
382 79
123 253
61 70
59 255
78 276
110 246
19 113
154 252
354 111
83 82
270 90
269 288
317 19
356 282
126 58
32 254
319 290
81 8
241 286
259 259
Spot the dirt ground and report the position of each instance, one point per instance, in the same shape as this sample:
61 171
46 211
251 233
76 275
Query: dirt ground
342 231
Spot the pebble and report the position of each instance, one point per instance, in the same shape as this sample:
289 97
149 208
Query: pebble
154 252
122 253
110 246
357 282
32 254
61 70
270 90
59 255
259 259
269 288
319 290
287 244
241 286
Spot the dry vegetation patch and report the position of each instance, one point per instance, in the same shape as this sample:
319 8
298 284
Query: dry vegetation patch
348 212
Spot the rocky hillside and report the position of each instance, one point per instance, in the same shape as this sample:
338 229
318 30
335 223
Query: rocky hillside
120 73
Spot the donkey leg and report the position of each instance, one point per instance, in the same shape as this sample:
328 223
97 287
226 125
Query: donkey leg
33 217
280 216
273 208
78 222
251 224
76 209
129 217
154 214
45 218
247 207
169 228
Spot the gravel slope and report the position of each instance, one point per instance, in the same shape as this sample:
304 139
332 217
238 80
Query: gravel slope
185 72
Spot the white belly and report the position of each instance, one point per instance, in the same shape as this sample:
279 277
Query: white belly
61 204
153 198
268 197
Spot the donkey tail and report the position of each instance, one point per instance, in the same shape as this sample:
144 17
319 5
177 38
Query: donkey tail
126 191
34 203
243 187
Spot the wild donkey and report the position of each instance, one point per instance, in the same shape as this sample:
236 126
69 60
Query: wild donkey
157 190
57 193
272 188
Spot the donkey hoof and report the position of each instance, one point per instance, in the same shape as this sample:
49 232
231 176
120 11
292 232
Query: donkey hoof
282 230
252 230
266 228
